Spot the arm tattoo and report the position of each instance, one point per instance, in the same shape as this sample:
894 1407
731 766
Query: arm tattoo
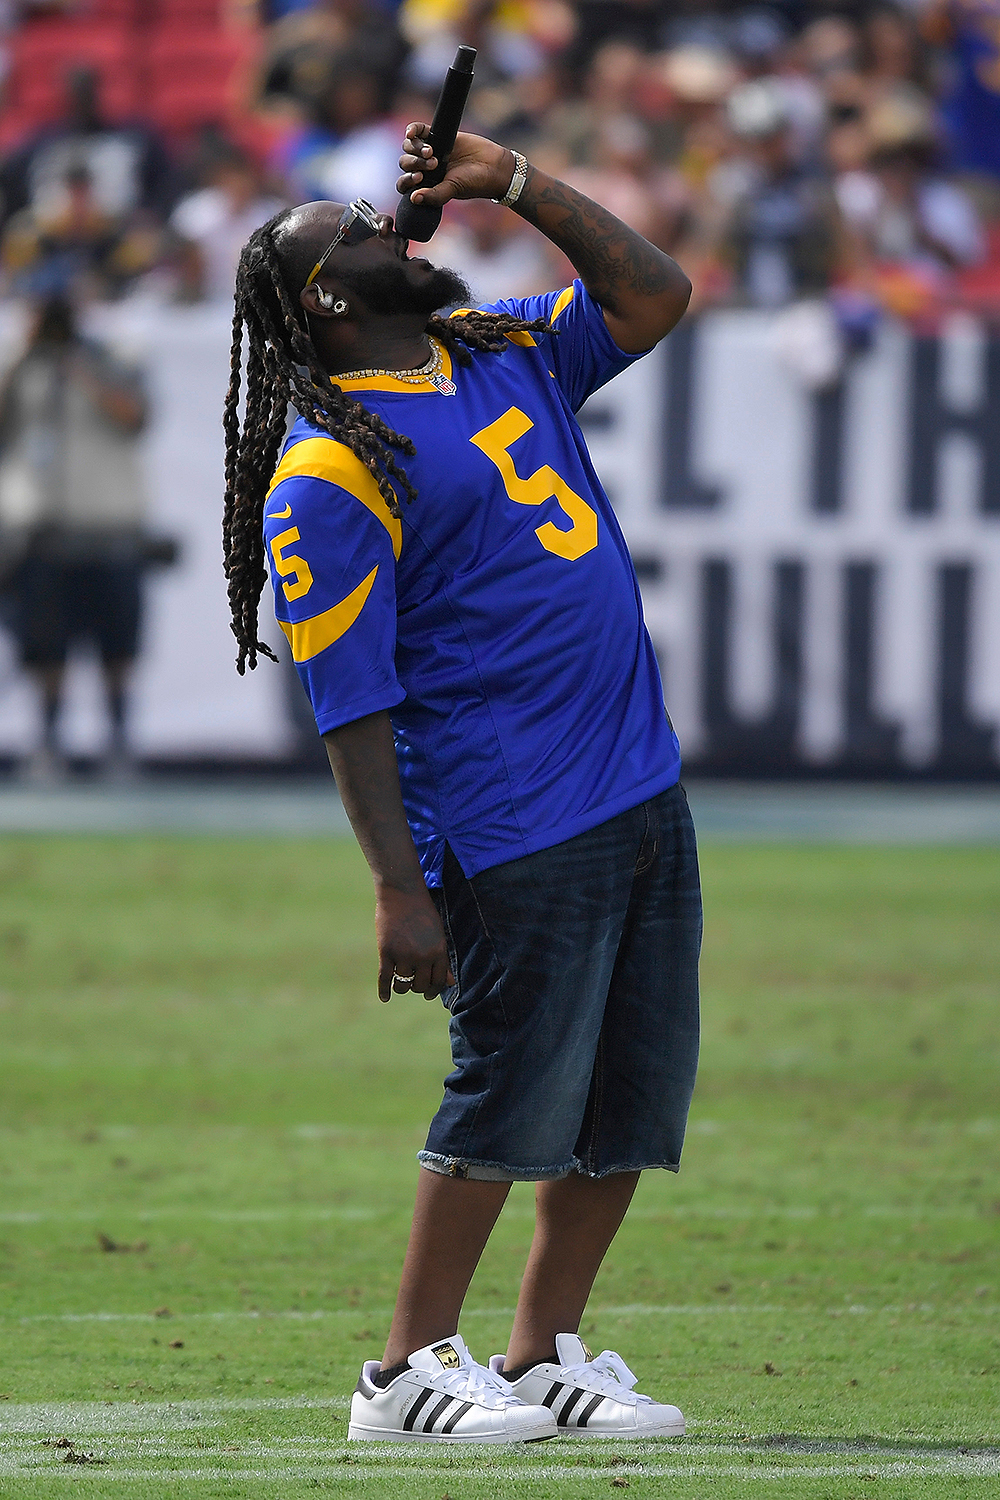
610 257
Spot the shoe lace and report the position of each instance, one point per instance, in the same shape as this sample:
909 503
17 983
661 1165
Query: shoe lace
607 1375
476 1383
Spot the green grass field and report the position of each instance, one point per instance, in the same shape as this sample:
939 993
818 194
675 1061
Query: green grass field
207 1131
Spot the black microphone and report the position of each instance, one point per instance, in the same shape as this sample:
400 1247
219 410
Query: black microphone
418 221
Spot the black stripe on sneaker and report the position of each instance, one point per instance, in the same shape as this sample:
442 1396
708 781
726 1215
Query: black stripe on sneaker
562 1417
588 1411
442 1406
553 1392
417 1408
456 1417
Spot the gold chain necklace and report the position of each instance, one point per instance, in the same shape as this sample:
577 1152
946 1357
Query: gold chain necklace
426 372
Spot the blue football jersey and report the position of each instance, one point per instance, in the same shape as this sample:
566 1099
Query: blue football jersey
499 621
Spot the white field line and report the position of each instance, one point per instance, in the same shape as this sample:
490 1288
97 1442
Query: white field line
627 1454
753 1473
624 1310
126 1419
217 1215
121 1426
110 1417
366 1314
295 1314
290 1213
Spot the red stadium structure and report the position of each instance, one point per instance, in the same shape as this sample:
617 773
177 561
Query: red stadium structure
173 64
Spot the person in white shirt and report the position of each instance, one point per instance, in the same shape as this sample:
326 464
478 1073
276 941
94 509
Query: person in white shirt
899 208
213 224
72 508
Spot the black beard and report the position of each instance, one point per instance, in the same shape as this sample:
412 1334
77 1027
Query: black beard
387 291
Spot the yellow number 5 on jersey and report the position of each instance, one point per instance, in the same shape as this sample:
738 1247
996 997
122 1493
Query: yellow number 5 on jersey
544 484
291 566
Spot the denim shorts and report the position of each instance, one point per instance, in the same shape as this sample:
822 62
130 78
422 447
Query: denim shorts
574 1019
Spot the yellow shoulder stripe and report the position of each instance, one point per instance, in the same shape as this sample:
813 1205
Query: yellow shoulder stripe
560 305
324 458
524 339
309 637
563 301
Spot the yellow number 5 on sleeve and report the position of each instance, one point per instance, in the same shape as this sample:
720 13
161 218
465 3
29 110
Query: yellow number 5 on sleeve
291 567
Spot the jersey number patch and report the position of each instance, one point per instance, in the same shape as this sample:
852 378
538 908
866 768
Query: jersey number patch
291 567
545 484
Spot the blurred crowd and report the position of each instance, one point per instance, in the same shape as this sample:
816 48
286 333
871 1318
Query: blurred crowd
829 162
840 150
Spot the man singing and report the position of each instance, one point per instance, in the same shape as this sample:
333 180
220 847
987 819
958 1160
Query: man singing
460 603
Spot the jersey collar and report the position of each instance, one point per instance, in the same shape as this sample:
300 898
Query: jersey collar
400 387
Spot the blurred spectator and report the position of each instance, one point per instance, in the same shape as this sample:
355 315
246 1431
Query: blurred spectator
71 514
65 235
306 45
892 53
758 38
825 62
763 51
69 240
637 22
504 34
902 210
127 165
847 137
681 96
349 148
781 231
720 128
213 223
610 87
971 29
624 177
830 45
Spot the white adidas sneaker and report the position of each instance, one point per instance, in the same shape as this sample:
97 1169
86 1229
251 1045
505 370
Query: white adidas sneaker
445 1397
593 1396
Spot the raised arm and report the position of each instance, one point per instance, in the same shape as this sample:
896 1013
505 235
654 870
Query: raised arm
642 291
407 926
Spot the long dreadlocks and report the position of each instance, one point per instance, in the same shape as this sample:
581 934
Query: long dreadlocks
282 368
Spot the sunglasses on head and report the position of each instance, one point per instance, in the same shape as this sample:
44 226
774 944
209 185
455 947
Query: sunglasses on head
360 221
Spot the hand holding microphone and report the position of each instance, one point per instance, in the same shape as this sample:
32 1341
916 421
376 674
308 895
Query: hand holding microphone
476 168
418 221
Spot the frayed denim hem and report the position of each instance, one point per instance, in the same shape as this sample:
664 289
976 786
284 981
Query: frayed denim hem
490 1171
628 1166
494 1171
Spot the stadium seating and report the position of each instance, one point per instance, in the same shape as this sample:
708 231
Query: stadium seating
41 55
201 12
171 64
189 74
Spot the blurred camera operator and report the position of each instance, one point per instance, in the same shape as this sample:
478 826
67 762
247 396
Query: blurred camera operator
71 513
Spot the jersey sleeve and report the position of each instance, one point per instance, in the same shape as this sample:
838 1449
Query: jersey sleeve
581 352
332 546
